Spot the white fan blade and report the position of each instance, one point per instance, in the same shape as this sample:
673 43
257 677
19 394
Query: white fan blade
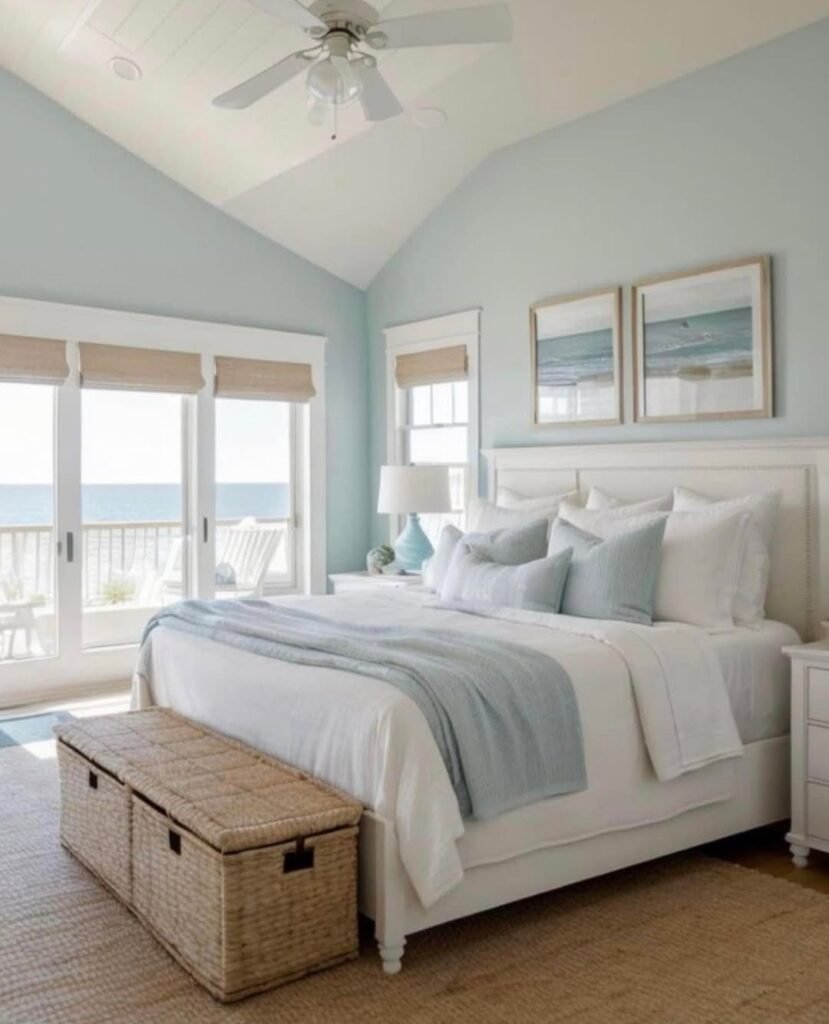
377 100
290 10
248 92
491 23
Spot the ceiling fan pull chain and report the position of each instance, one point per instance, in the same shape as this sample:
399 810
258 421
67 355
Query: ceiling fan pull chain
334 133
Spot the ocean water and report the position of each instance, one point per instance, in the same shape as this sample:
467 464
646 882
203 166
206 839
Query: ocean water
720 340
32 504
575 359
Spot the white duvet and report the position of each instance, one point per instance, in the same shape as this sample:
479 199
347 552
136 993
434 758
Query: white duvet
659 734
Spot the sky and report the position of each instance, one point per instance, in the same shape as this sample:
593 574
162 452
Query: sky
135 437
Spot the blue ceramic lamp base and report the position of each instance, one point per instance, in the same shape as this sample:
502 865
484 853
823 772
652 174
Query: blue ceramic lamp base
412 547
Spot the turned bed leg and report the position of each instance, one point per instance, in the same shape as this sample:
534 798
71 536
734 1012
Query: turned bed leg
800 854
392 957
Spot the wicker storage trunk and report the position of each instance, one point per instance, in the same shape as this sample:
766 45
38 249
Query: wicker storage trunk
95 809
245 869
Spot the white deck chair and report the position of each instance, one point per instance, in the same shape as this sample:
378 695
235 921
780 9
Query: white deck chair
17 615
249 548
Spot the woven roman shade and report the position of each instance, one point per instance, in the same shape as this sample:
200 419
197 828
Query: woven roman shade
121 368
263 379
434 366
32 360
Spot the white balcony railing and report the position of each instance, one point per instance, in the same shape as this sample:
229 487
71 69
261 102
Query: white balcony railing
120 560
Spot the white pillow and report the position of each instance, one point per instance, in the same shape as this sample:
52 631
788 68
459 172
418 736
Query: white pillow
606 522
702 553
701 559
483 516
762 507
599 499
507 498
434 568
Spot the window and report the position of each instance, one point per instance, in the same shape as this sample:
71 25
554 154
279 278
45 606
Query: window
145 469
432 381
436 431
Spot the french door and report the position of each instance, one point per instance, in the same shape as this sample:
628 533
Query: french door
114 503
94 534
143 460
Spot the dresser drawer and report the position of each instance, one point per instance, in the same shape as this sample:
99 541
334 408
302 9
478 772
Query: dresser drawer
817 810
818 706
818 753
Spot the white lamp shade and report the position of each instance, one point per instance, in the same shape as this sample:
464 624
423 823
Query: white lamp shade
405 489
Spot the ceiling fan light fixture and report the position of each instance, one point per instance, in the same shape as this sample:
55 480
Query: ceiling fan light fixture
317 111
332 81
341 72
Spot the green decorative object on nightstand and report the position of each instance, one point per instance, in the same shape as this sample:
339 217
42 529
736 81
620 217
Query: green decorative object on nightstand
378 558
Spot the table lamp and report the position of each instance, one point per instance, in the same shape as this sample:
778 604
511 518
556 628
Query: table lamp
409 490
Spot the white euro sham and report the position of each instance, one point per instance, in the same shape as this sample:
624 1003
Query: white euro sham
763 508
598 499
702 555
484 516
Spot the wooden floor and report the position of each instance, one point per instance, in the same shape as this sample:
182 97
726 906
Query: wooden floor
766 850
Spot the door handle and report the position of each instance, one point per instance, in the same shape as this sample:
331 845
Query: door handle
70 547
204 529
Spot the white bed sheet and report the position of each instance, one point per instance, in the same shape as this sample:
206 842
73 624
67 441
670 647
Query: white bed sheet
372 741
756 674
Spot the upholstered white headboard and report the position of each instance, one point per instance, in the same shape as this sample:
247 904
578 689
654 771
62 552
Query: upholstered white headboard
799 582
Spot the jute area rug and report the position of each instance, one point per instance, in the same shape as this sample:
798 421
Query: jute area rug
689 940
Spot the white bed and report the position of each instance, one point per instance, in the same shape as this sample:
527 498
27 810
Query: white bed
419 865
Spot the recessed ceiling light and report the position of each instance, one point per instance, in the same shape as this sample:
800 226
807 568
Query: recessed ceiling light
429 117
126 69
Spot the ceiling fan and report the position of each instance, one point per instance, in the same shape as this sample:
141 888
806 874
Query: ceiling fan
340 71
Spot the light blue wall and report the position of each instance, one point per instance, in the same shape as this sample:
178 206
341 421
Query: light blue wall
731 161
83 221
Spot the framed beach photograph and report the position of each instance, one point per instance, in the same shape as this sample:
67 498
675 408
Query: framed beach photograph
702 344
576 359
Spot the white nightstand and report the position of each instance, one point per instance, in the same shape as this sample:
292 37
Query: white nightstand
350 582
810 750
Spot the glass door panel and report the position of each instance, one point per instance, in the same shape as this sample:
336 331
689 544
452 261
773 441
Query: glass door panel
133 511
28 597
254 501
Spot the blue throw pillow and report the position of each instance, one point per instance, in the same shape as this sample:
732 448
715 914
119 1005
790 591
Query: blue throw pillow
474 580
514 545
610 579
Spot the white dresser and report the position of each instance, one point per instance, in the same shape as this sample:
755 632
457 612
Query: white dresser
810 750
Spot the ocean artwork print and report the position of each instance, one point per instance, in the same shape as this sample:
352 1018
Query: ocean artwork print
575 344
703 346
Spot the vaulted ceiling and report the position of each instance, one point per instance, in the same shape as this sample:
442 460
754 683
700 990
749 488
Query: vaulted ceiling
348 205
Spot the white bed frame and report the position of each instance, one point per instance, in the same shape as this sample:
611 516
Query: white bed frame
797 595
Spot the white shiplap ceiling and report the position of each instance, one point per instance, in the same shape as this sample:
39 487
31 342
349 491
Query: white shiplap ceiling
349 205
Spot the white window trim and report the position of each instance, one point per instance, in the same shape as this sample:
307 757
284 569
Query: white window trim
420 336
44 678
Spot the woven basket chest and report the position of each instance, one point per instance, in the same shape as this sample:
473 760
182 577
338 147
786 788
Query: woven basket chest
241 866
